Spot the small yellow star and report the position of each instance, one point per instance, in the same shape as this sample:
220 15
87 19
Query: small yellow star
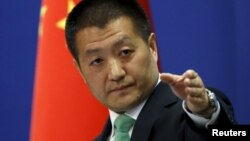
61 24
43 11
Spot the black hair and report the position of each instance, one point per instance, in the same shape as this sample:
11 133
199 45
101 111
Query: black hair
99 13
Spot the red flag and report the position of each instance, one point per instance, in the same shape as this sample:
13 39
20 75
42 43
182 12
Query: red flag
63 107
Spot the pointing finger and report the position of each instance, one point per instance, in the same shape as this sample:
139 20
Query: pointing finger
171 79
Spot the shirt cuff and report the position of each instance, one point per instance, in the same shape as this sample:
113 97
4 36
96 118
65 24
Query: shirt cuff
201 121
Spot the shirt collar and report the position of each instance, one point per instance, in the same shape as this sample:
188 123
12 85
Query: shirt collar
133 113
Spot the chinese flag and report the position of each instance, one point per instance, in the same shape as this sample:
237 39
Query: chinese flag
63 107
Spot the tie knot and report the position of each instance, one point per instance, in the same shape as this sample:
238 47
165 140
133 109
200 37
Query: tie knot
123 123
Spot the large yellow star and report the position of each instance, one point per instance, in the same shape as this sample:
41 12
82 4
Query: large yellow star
61 24
43 11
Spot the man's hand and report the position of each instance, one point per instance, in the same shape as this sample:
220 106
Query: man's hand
190 88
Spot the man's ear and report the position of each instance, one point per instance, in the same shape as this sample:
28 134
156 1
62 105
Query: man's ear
153 46
78 67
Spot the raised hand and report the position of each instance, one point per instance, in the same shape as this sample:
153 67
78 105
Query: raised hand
189 87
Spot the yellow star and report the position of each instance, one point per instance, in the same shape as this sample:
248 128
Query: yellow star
43 11
61 24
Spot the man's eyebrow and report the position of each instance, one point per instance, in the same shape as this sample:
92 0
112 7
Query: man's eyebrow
124 40
92 51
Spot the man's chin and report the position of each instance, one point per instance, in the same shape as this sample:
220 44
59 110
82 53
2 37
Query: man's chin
120 108
123 107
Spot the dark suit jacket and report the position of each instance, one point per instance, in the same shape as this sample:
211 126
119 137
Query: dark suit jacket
163 119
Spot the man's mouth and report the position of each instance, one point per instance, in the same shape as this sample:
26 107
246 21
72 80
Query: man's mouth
121 88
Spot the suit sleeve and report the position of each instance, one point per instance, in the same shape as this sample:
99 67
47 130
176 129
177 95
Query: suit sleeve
227 115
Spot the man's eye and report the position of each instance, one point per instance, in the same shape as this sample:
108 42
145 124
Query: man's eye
96 61
126 52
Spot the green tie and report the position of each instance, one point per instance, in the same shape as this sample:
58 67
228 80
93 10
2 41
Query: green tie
122 125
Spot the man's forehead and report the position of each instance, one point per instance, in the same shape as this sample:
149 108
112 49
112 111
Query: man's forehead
121 23
120 31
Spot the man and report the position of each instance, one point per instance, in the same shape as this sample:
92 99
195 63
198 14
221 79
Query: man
116 54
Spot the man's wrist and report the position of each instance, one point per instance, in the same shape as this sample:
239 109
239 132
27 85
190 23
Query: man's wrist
207 113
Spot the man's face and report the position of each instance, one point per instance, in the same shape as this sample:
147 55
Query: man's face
118 66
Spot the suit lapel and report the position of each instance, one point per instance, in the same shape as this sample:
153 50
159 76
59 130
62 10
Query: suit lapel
161 97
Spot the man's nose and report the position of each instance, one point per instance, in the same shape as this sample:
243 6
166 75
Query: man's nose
117 71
